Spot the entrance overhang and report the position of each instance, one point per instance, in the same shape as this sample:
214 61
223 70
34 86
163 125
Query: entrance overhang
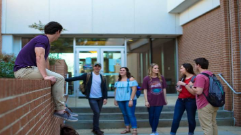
109 35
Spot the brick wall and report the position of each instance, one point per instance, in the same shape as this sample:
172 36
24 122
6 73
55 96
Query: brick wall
207 36
235 46
227 62
27 108
215 36
59 67
202 38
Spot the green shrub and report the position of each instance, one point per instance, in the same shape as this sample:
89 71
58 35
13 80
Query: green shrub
7 65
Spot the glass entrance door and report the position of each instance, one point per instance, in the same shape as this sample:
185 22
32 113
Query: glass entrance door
110 59
84 60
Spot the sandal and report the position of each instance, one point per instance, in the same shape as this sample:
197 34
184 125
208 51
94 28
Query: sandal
134 132
126 131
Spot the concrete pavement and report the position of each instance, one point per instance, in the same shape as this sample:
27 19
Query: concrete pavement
82 102
222 130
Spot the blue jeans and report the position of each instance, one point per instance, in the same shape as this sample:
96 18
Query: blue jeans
189 105
96 106
128 113
154 115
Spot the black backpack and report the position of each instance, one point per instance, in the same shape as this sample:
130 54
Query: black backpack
216 94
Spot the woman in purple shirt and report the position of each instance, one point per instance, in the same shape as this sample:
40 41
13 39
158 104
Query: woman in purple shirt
154 86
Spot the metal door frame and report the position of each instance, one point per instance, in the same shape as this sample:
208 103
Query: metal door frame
100 50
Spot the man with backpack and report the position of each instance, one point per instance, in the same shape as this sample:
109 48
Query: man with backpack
96 92
206 112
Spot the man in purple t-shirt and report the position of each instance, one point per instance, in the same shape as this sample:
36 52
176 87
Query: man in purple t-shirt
31 64
206 112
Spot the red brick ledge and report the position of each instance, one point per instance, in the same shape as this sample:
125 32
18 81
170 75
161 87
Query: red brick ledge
27 108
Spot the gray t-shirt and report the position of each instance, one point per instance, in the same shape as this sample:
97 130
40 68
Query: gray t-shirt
95 91
27 56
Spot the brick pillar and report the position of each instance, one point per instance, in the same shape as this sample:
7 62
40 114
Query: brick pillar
235 46
226 70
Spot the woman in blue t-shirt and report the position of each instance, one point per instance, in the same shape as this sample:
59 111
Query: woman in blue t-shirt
125 98
154 86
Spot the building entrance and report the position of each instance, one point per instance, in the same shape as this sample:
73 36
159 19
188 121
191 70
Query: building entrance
111 59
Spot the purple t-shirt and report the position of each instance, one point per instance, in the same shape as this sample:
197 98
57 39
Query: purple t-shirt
155 94
202 81
27 56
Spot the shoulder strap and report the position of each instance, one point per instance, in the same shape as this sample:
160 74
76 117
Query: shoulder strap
103 78
205 74
87 78
193 77
128 84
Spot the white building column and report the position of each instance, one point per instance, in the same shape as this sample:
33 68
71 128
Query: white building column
7 44
17 45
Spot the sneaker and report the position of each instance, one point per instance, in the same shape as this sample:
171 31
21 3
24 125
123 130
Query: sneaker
66 116
71 112
156 133
153 134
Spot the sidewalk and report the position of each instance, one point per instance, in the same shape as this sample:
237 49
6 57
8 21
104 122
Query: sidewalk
222 130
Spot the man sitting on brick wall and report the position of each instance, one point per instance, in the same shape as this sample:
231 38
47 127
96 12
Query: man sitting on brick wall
31 64
206 112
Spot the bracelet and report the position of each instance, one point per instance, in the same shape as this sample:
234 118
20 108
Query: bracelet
190 86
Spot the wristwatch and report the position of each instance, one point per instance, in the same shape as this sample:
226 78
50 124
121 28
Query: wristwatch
190 86
131 99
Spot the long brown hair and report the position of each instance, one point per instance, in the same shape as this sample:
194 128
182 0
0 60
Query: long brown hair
150 71
188 67
128 74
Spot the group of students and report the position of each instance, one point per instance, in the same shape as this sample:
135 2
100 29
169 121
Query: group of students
154 86
190 98
31 64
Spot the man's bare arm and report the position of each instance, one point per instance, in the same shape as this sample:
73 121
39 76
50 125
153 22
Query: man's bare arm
197 90
41 64
40 60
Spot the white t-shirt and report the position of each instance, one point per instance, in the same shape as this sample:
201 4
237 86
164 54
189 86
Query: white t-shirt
95 91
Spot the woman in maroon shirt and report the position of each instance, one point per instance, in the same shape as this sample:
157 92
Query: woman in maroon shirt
154 86
186 100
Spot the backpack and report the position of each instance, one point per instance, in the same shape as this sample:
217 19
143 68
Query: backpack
82 86
216 94
138 91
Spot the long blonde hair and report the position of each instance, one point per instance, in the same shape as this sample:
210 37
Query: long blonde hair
150 72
